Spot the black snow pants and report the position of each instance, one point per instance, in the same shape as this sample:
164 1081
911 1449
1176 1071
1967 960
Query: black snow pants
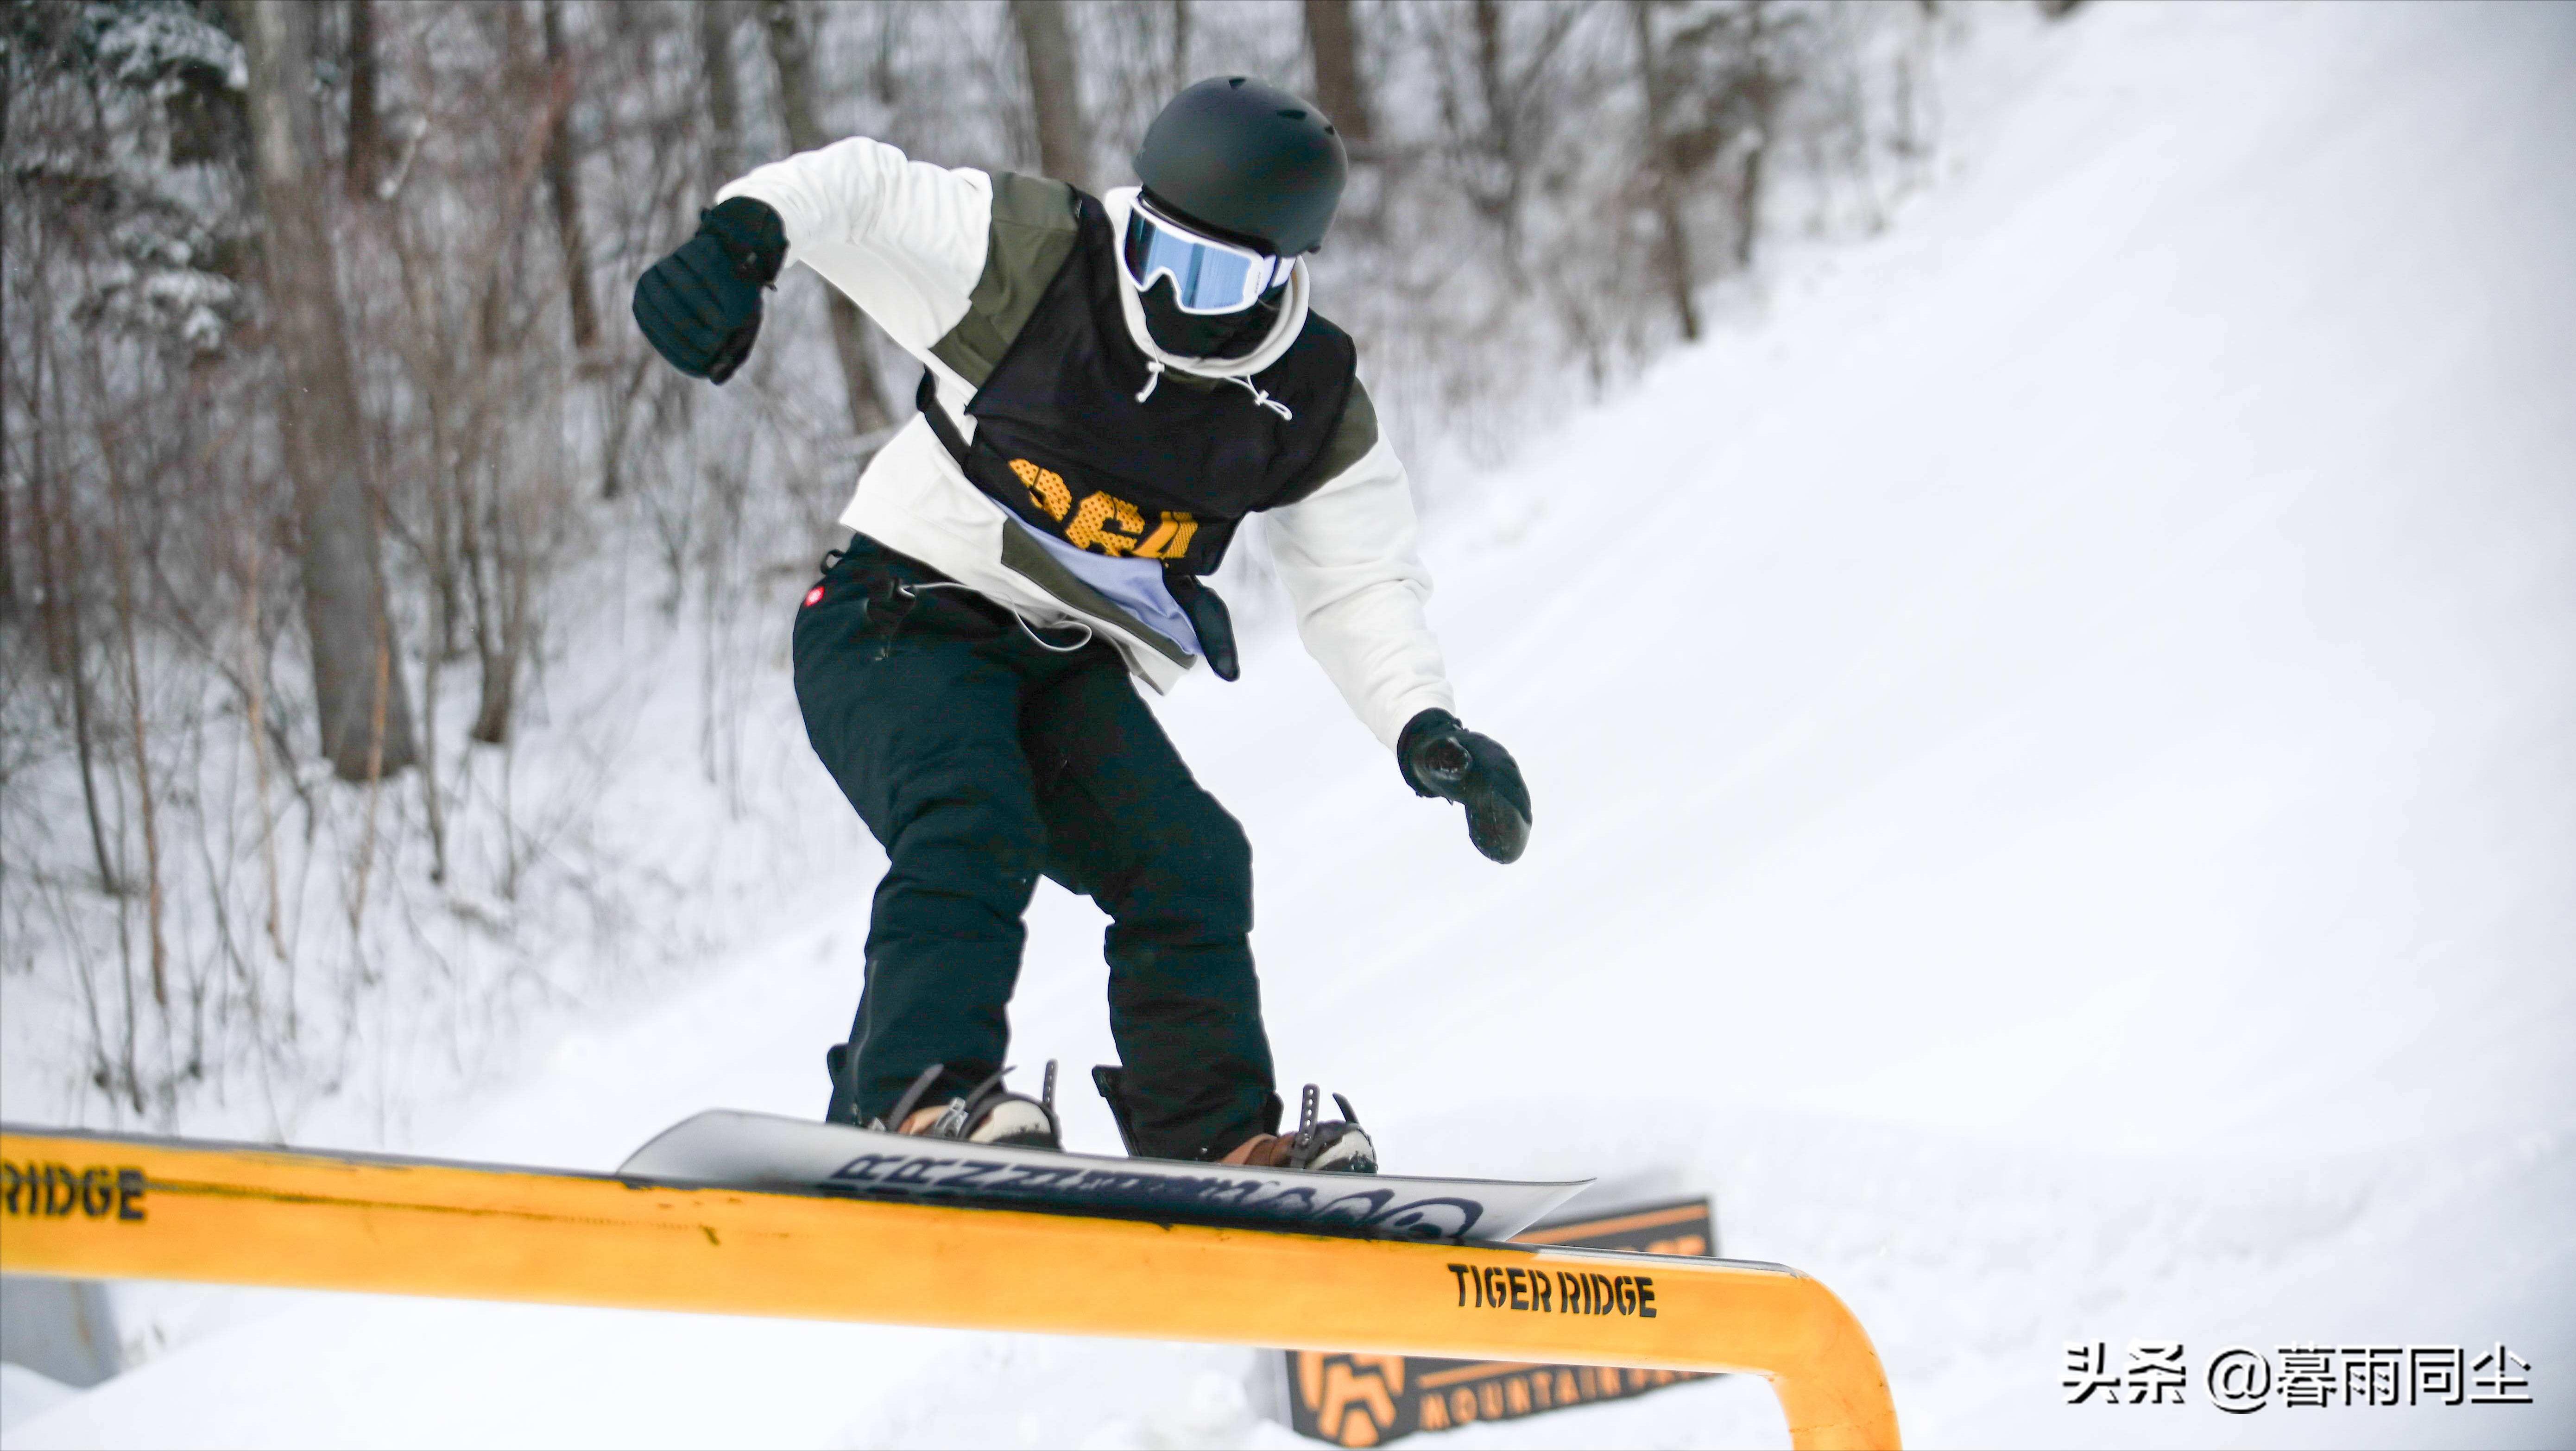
981 758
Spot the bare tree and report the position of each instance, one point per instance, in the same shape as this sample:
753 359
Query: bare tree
362 706
366 127
1055 92
1757 94
138 736
1716 86
717 20
791 50
1663 178
56 538
1332 40
1500 130
1502 122
8 567
563 181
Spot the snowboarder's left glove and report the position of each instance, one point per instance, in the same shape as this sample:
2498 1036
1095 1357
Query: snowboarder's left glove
700 306
1442 758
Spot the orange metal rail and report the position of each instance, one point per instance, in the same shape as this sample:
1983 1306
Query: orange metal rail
95 1206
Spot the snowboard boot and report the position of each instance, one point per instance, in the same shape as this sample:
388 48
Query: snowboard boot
1336 1146
989 1115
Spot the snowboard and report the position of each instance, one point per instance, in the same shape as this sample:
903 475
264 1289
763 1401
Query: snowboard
730 1148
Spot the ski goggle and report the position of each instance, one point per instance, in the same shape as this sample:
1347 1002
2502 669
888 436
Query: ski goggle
1208 276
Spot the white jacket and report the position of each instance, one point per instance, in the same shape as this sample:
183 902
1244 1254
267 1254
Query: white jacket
909 243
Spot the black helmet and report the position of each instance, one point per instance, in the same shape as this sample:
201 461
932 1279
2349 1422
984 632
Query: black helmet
1239 156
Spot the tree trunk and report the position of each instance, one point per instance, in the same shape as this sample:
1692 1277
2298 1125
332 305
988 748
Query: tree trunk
8 554
1663 186
58 621
1502 201
563 181
1180 43
343 570
717 21
1332 36
1762 95
1748 204
1055 91
505 641
366 128
139 739
791 51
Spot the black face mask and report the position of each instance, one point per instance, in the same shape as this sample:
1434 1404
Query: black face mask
1205 334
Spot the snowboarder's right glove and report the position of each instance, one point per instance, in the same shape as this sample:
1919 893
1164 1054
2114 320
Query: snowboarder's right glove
700 306
1442 758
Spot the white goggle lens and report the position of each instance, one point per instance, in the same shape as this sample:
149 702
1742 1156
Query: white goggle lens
1208 276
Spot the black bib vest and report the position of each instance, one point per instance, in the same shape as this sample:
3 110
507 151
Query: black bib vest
1062 441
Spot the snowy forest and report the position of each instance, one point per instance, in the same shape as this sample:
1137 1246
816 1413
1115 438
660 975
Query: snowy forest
345 507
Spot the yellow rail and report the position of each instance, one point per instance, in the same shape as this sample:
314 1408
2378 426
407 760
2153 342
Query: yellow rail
94 1206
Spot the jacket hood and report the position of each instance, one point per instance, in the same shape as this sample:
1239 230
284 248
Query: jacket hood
1119 202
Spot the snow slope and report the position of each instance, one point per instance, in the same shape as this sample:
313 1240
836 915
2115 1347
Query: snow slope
2054 737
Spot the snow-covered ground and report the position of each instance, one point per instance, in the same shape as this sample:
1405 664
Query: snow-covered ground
2054 737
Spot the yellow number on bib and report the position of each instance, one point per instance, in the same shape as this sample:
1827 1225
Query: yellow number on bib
1085 531
1046 487
1171 539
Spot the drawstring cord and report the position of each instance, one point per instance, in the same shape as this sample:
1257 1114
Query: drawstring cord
1154 376
915 591
1043 643
1264 399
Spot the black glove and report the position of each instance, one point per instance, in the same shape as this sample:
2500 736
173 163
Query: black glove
700 306
1442 758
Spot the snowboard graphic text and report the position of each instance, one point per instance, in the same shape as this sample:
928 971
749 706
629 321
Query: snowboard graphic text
1361 1203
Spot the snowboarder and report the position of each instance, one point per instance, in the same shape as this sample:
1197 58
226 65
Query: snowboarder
1110 386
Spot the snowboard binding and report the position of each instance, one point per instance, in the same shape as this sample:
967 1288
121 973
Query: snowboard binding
990 1114
1332 1146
